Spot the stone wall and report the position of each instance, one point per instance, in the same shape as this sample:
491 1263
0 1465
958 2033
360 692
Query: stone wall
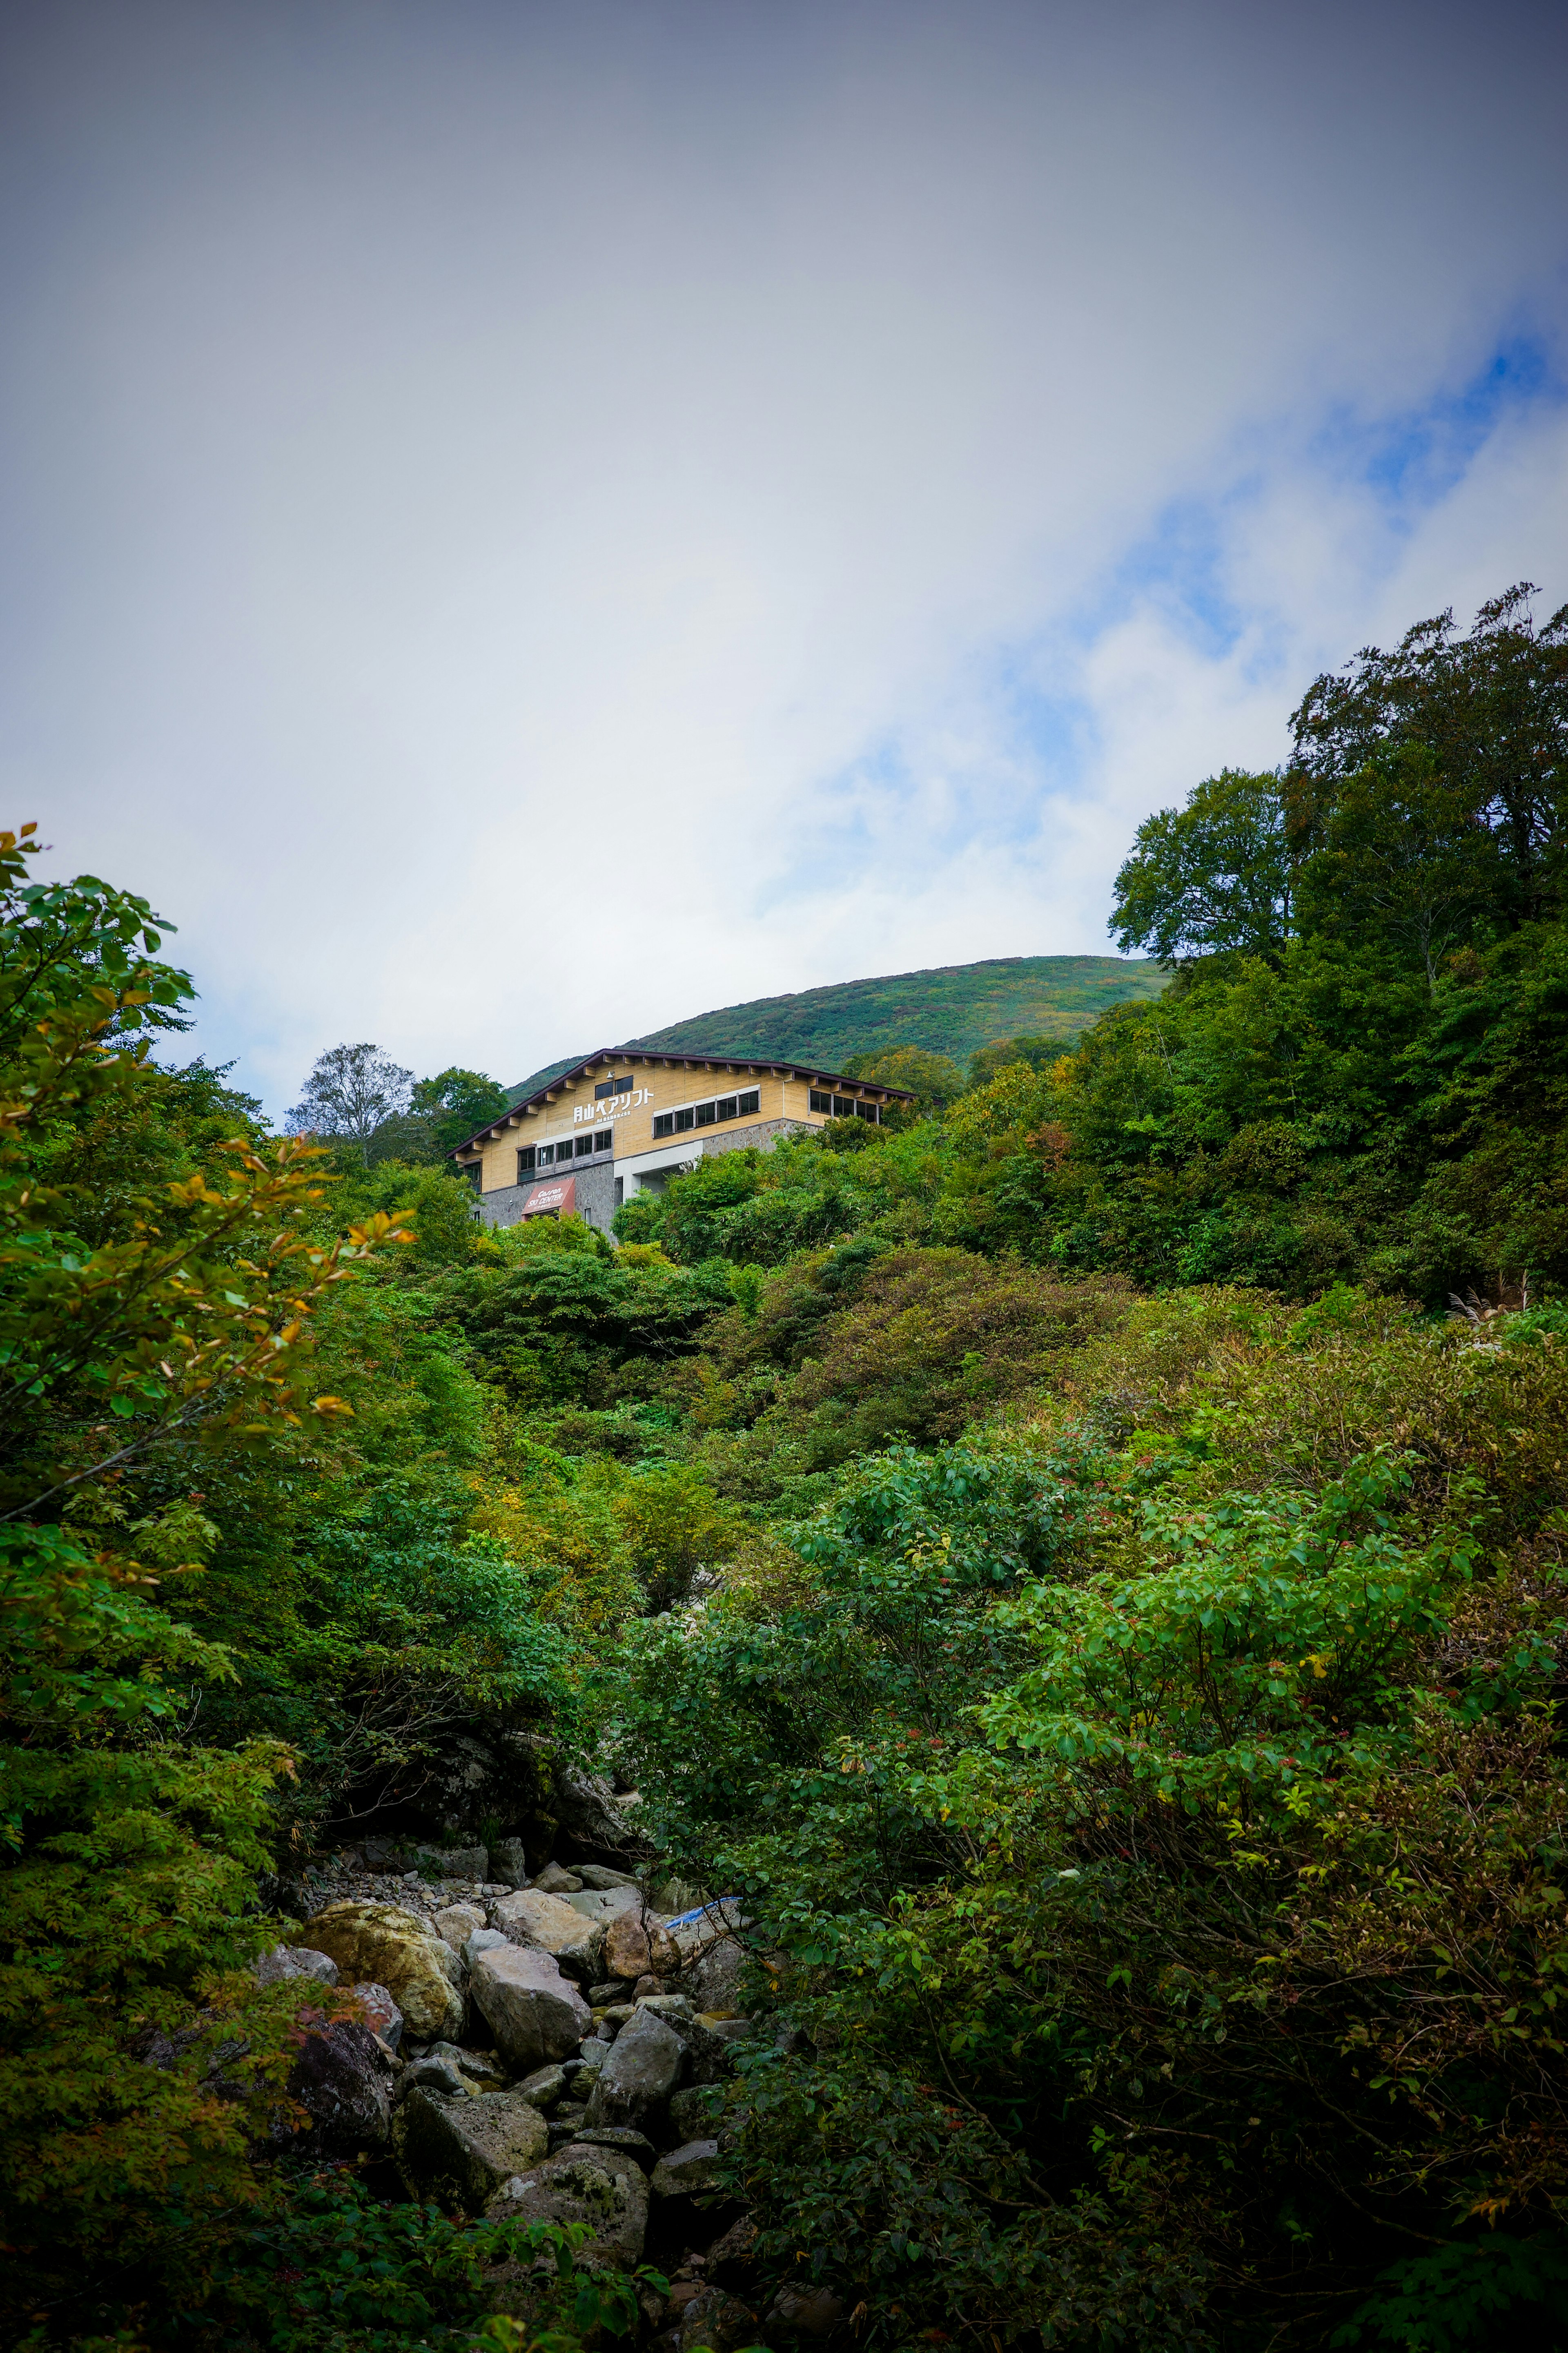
595 1194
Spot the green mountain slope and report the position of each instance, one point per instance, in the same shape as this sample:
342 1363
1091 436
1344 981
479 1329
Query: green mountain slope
950 1008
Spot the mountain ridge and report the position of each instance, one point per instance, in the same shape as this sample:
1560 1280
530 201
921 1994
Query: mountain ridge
950 1009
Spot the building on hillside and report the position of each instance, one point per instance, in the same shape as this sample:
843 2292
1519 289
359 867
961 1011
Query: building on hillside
625 1121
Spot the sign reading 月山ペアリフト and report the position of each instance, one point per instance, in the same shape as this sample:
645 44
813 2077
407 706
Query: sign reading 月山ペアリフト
612 1107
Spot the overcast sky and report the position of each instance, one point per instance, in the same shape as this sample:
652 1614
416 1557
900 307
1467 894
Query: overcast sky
525 523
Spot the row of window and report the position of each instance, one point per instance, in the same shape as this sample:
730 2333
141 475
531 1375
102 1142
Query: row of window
708 1114
844 1107
607 1087
533 1156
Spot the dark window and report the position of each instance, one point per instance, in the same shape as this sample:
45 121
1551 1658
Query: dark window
612 1087
684 1119
727 1107
706 1114
664 1122
843 1106
820 1101
604 1139
584 1145
524 1161
546 1154
750 1103
620 1190
865 1111
474 1171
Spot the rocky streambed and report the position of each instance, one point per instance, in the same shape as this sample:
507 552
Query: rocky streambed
548 2050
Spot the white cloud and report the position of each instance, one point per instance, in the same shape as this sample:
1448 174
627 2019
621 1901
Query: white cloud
531 524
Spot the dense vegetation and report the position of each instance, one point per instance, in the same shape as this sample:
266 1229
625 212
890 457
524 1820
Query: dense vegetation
1087 1564
952 1009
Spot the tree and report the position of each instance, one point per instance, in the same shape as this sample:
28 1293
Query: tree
1212 876
454 1104
128 1853
934 1080
1491 709
352 1091
1039 1053
1402 859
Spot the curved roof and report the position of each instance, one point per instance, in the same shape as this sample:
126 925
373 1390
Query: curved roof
867 1090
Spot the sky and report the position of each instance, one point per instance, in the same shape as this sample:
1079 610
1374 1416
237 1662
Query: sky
522 522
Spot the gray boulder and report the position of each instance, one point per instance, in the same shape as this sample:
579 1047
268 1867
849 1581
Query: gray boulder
433 2074
712 2320
713 1979
597 1875
460 2152
529 2008
456 1923
630 2142
639 2075
456 1862
709 2058
286 1961
531 1916
603 2187
685 2170
806 2311
508 1864
382 2014
556 1880
544 2087
481 2068
342 2079
693 2112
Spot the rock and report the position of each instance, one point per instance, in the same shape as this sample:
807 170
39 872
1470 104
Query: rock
672 1896
601 1996
508 1864
456 1923
533 1917
731 2261
693 2112
605 1904
665 2005
635 1947
585 1805
600 2187
646 1984
342 2079
729 2029
461 2152
483 1940
592 2054
555 1880
480 2067
383 1853
533 2012
685 2169
382 1942
544 2087
708 2056
713 1979
382 2014
615 2015
639 2075
713 2319
456 1862
630 2142
596 1875
805 2311
436 2075
285 1961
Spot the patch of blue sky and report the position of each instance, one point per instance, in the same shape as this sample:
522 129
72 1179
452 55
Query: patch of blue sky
1044 735
1412 458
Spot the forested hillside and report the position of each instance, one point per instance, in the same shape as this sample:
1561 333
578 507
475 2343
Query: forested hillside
952 1010
956 1738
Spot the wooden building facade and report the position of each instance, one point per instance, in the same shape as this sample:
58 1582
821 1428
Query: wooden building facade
625 1121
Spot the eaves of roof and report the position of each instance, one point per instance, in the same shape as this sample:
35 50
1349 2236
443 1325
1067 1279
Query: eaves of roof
754 1066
